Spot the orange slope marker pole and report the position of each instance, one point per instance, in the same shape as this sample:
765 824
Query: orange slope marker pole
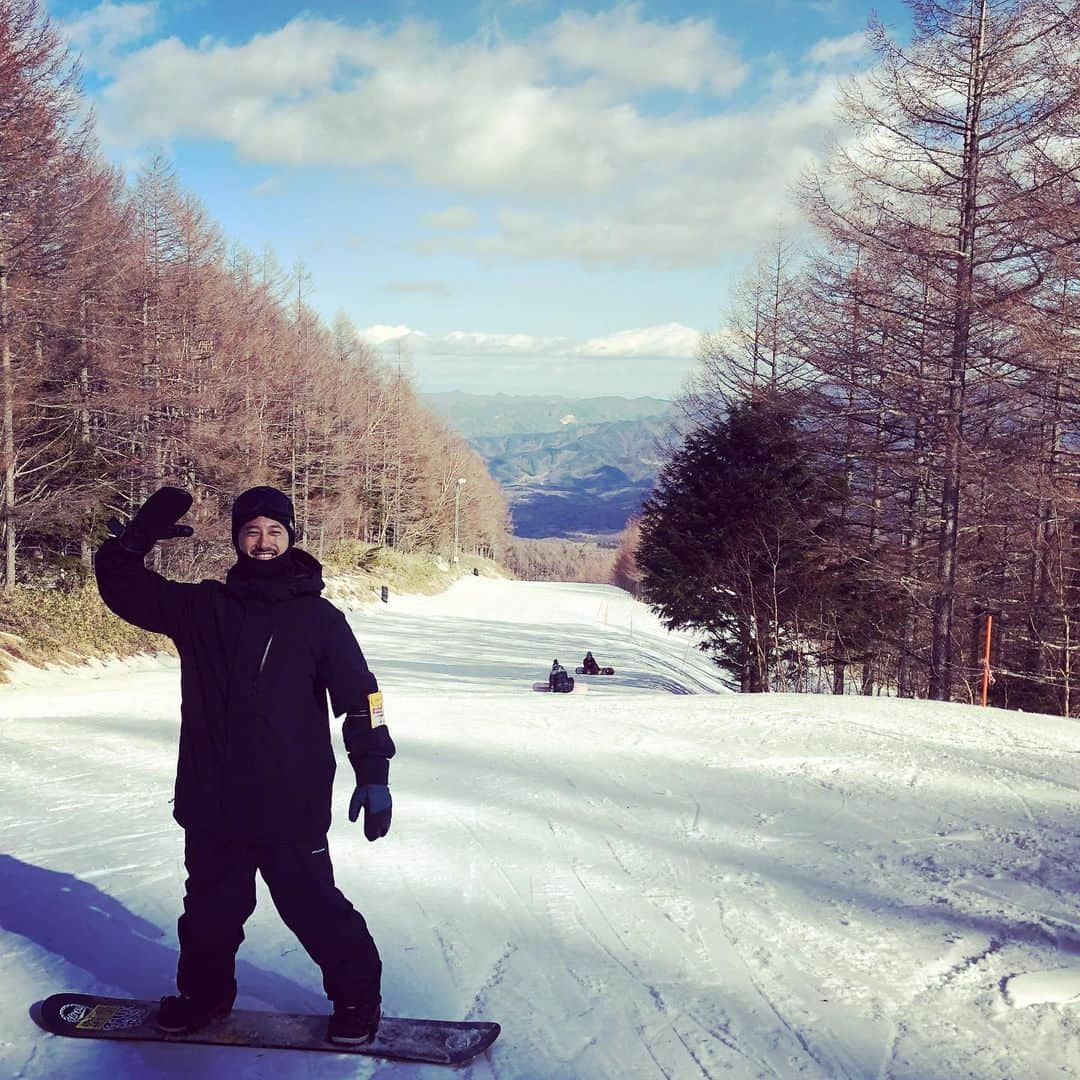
987 678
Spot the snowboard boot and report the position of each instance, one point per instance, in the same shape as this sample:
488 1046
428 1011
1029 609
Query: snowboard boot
353 1025
180 1014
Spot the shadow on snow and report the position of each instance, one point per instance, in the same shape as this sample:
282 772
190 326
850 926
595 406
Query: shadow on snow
90 929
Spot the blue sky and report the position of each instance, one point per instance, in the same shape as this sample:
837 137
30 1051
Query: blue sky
523 196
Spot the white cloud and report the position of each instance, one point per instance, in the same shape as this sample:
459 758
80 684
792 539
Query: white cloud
472 116
573 166
380 335
653 360
472 341
830 8
670 339
453 217
645 54
429 288
740 170
264 187
831 50
101 33
650 360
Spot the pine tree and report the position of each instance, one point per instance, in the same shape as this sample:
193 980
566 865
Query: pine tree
734 541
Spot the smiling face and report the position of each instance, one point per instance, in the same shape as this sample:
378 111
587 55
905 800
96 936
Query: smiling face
263 538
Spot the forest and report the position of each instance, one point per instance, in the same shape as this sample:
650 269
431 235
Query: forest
876 485
878 488
138 347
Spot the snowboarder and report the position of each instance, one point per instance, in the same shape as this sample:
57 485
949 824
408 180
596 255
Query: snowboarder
258 655
558 679
589 666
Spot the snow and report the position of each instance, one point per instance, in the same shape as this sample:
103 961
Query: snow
1043 987
656 878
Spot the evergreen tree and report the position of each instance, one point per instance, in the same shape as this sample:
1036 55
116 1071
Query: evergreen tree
735 541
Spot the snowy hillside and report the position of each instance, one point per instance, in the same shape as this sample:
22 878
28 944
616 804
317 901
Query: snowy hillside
651 879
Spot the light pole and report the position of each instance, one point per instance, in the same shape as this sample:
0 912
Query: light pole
457 515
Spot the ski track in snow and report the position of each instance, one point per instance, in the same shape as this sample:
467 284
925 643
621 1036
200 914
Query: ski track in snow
657 878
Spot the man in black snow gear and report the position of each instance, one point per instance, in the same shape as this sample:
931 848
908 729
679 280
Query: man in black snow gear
558 680
258 655
589 666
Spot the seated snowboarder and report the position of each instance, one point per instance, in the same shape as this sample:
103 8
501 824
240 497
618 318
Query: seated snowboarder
559 681
258 655
589 666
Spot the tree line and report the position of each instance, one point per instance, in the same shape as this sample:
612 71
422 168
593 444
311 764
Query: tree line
138 347
880 450
555 559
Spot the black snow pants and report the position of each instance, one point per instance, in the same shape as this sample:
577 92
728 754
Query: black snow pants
220 895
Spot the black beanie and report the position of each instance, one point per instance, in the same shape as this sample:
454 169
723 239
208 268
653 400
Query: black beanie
263 502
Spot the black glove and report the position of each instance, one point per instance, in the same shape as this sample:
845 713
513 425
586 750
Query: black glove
155 520
375 801
369 754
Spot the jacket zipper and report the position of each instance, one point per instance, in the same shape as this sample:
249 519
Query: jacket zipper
266 653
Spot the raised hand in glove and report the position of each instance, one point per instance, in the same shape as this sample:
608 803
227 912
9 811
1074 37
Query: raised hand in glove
155 520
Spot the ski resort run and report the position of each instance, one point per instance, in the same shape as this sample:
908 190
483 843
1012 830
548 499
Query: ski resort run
654 878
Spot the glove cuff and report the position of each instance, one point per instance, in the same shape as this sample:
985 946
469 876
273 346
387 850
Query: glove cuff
373 743
136 541
370 770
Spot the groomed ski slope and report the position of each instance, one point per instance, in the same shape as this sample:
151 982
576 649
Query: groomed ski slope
654 878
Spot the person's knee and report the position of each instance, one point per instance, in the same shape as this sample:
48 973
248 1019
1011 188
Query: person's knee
301 885
228 906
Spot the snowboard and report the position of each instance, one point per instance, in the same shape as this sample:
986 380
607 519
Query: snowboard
434 1042
602 671
544 688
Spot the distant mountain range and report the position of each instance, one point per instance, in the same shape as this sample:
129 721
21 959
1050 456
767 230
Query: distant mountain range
571 467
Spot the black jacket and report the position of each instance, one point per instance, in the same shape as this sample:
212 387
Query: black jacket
257 659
